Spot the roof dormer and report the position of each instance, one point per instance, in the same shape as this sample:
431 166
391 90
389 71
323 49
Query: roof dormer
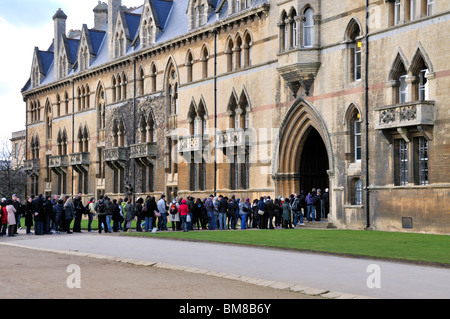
198 12
90 42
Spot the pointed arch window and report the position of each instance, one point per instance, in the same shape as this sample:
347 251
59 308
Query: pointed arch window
153 74
308 28
66 102
189 66
420 73
58 105
140 84
83 140
101 108
354 42
48 122
114 89
229 54
118 133
247 49
205 58
173 91
238 53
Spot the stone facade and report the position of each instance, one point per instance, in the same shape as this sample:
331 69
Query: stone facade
251 98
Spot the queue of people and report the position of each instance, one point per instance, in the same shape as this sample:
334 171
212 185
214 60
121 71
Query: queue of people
63 214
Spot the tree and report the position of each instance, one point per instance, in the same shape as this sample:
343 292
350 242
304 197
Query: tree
13 179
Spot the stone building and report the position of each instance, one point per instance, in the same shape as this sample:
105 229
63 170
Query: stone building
252 98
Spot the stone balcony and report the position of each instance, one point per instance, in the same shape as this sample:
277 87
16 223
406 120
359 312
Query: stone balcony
403 115
79 159
144 150
116 156
401 118
234 138
299 67
31 165
192 143
146 153
58 163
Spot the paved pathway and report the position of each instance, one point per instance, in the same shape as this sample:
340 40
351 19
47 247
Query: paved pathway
329 276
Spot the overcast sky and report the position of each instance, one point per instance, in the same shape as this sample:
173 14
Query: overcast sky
26 24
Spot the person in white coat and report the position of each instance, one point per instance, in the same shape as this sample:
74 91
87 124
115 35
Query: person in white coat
11 217
174 215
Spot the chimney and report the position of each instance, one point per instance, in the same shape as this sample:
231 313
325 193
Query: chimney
59 20
100 15
113 9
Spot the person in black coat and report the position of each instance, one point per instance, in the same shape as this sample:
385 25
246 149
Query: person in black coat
47 210
270 211
138 213
38 215
115 216
58 211
29 215
223 209
79 210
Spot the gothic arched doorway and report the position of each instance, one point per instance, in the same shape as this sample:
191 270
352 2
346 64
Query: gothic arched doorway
314 163
305 156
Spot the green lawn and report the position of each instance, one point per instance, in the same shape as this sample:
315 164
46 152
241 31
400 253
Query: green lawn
375 244
386 245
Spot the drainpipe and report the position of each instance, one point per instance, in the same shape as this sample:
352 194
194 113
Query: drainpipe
134 129
73 130
215 112
26 143
367 116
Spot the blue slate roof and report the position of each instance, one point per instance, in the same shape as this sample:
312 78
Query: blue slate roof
163 9
73 49
47 60
96 39
133 22
171 16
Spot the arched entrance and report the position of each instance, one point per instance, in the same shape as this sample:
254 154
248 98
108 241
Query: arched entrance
314 163
305 157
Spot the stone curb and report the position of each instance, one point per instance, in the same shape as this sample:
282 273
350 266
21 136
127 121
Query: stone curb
254 281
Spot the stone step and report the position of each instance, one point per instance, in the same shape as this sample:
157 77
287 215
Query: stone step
318 225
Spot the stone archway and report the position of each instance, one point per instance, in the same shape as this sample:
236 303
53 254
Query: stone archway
304 155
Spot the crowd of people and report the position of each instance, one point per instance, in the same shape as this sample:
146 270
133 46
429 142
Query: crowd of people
63 214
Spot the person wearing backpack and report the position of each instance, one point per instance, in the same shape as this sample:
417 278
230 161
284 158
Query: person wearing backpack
296 209
174 216
101 209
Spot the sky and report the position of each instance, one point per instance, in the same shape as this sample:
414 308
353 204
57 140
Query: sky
24 25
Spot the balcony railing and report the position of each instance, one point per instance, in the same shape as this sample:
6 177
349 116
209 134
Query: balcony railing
58 161
116 154
143 150
192 143
31 165
234 138
404 115
79 159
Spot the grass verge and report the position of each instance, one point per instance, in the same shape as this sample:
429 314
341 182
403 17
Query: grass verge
412 247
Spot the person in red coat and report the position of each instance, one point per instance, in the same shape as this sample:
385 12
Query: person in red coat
183 209
4 217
